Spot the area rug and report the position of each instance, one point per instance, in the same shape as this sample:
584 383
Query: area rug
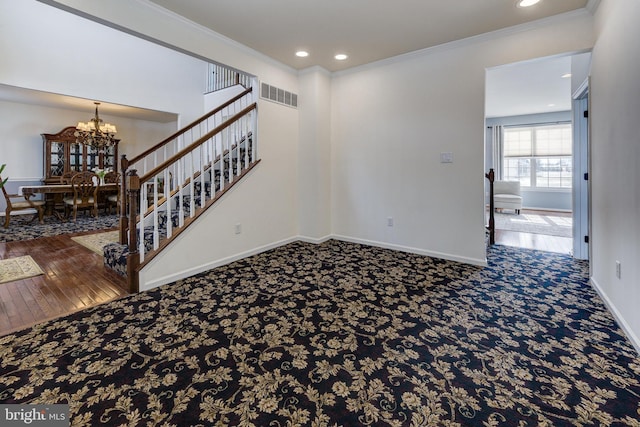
552 225
96 241
18 268
340 334
21 228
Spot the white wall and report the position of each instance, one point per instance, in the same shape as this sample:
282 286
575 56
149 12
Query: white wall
314 160
21 146
390 122
50 50
615 156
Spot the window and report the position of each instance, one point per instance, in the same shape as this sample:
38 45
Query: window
538 156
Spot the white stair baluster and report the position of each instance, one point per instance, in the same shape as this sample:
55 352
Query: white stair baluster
180 181
156 233
167 201
141 229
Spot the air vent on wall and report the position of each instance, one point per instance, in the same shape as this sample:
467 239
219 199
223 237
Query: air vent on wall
281 96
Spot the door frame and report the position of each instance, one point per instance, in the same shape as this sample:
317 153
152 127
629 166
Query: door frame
581 176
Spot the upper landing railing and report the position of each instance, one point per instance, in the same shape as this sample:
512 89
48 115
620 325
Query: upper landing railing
220 77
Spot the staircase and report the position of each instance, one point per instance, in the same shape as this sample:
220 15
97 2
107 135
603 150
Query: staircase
166 188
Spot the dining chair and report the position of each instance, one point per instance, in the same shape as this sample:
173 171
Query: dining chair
114 198
19 203
57 202
85 193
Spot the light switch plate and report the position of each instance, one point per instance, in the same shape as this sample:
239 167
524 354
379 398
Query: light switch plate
446 157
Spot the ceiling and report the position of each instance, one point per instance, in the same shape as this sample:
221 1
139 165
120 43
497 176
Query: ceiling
529 87
365 30
54 100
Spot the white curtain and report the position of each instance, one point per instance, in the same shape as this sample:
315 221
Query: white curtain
496 139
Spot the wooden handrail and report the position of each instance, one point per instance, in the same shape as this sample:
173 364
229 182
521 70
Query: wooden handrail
188 127
135 212
153 172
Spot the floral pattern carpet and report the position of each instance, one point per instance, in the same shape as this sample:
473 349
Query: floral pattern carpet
340 334
22 227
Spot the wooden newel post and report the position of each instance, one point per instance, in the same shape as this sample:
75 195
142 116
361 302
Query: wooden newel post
124 221
133 259
492 223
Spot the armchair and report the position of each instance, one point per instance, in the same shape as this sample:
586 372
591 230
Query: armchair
506 195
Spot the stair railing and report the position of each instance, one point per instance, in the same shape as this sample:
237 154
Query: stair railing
163 193
159 153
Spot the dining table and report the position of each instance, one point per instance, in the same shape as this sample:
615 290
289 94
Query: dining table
30 190
58 189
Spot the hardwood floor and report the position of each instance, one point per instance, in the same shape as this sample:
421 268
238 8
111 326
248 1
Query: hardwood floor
74 279
541 242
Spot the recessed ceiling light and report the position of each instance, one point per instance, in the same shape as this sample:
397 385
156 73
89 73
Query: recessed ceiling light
566 76
527 3
551 105
341 57
302 53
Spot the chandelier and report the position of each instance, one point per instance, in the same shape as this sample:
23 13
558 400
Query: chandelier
95 133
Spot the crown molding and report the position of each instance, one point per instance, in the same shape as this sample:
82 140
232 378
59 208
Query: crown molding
592 6
314 69
469 41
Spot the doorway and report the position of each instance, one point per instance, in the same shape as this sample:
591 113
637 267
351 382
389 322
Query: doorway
541 96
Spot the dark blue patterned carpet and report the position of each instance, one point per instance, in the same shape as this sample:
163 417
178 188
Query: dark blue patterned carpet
340 334
21 227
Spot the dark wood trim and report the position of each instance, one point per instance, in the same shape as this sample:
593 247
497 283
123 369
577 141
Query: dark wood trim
492 221
162 166
189 126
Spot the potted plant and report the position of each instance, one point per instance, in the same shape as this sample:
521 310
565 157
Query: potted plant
2 182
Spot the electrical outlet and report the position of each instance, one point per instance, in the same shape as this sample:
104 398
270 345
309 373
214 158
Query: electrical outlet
618 269
238 228
390 221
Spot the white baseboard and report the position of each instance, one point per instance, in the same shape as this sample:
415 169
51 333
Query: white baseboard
145 286
433 254
546 209
315 240
633 338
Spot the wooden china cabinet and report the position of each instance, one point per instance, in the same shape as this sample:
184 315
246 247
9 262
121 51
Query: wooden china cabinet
63 154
